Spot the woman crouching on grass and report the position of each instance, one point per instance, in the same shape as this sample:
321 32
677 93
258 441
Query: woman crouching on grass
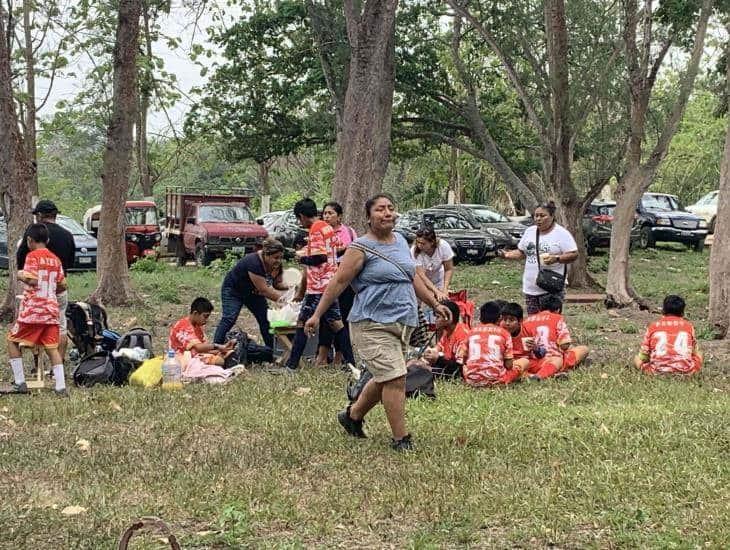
385 310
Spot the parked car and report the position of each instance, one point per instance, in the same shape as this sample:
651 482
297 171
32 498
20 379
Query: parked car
706 208
468 243
597 222
85 255
662 219
286 229
505 233
269 218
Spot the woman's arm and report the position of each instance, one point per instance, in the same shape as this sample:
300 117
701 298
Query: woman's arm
448 274
421 273
515 254
263 288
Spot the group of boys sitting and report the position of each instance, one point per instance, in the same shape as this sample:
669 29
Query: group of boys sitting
505 347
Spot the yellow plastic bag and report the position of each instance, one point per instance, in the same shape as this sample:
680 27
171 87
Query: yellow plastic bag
148 374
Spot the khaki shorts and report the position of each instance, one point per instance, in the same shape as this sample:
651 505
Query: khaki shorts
382 348
62 305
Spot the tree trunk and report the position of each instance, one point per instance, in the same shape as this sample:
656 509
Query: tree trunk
263 169
30 107
145 92
639 173
720 252
363 146
114 286
16 173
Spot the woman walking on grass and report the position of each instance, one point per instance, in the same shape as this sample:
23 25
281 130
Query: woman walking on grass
557 249
383 274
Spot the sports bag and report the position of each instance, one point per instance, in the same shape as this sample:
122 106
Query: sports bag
419 382
547 279
86 324
103 368
136 338
247 351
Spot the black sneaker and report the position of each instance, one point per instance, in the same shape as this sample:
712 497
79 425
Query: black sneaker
352 427
20 388
402 445
561 376
534 378
61 393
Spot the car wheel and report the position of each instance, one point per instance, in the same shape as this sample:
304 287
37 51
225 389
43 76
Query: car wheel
711 228
646 239
201 256
698 246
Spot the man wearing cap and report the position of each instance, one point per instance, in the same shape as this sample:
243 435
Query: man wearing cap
61 243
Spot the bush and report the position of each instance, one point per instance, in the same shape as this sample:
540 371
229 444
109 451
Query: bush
224 264
149 264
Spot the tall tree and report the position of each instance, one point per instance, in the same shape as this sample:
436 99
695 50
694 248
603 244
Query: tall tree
363 144
114 285
643 27
16 170
720 253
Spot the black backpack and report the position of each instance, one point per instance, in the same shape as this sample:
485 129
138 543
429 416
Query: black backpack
419 382
86 323
136 338
103 368
247 351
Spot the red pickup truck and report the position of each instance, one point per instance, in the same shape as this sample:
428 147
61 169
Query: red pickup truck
204 225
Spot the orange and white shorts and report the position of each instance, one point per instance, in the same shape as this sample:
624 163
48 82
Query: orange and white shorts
31 335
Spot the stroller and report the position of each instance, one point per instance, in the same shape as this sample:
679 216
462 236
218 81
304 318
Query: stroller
87 324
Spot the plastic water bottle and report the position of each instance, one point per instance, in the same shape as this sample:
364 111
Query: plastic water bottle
171 372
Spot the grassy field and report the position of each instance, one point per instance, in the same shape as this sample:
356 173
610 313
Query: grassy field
607 458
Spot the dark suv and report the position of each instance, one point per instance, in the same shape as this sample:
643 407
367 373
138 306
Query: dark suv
597 222
469 244
505 233
663 219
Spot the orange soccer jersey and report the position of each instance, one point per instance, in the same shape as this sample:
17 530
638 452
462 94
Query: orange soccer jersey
671 346
488 348
39 305
184 335
549 330
322 240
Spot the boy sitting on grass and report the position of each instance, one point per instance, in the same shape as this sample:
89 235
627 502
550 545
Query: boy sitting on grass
446 359
489 354
37 322
188 335
551 349
670 345
522 342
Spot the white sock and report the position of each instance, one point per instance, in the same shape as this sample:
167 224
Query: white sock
18 374
59 377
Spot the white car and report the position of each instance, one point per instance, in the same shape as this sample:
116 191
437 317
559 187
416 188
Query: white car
706 208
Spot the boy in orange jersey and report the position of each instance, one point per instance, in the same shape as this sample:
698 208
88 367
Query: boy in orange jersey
670 345
446 359
552 350
522 343
187 335
489 354
37 322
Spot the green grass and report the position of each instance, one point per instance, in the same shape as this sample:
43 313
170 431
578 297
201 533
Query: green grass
609 458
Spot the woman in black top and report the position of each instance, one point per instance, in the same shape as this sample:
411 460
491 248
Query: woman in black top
256 277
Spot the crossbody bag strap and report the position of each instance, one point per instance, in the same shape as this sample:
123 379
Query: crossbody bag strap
364 248
537 251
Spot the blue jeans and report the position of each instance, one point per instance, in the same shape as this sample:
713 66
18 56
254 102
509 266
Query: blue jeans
231 305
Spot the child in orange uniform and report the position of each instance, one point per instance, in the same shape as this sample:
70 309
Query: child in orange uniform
522 343
37 322
489 354
552 350
670 345
187 335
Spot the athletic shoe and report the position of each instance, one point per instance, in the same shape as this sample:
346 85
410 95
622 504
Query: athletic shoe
534 378
20 388
402 445
61 393
352 427
286 371
561 376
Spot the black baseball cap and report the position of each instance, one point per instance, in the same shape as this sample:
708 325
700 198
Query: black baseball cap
45 207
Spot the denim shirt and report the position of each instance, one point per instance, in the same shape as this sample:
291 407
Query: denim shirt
383 292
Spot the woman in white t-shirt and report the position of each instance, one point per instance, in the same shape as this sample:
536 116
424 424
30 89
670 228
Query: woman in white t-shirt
434 264
557 249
